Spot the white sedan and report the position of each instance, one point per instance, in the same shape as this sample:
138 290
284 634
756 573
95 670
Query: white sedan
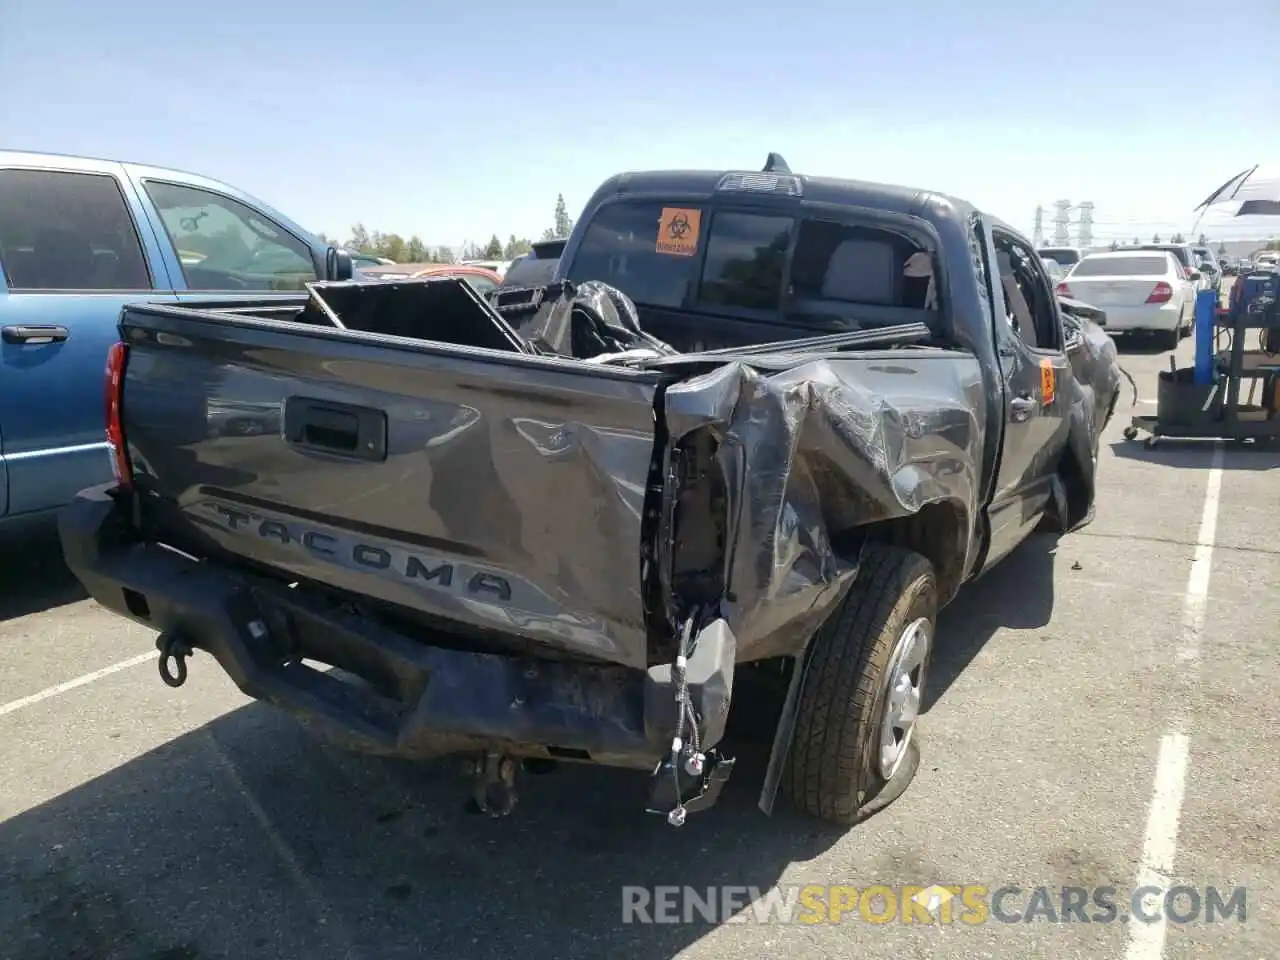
1141 291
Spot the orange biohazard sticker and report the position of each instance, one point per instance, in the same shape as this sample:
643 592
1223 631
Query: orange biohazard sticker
678 231
1048 378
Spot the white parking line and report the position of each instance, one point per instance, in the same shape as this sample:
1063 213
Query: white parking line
1160 847
15 705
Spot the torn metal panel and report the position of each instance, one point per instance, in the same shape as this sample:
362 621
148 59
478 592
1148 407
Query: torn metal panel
813 452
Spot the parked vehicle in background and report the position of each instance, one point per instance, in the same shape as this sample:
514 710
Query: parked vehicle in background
1053 268
1268 260
1208 265
497 266
578 557
536 267
1186 260
1067 257
1142 291
482 279
81 237
362 260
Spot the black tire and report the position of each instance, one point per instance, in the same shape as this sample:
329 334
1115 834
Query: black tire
832 768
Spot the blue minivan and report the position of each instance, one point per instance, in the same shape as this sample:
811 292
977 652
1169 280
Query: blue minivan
79 238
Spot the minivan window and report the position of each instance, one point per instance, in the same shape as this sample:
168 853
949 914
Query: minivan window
68 231
223 244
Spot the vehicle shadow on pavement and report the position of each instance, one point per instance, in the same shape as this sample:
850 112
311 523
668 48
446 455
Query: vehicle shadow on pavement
33 575
1017 594
251 838
1197 454
1138 346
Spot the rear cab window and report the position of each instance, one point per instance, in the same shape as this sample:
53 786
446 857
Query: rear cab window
758 263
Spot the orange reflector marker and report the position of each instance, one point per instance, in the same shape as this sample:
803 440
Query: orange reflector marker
1048 380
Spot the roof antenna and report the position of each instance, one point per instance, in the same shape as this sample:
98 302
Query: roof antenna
775 164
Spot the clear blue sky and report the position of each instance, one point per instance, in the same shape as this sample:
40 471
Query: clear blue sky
458 121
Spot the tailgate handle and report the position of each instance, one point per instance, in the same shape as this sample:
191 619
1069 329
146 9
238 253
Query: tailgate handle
335 428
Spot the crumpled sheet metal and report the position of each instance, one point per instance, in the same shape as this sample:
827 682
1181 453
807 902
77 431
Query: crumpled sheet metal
815 451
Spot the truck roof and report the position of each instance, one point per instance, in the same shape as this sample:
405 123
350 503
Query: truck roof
928 204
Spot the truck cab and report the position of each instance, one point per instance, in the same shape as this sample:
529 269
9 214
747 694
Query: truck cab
716 260
81 237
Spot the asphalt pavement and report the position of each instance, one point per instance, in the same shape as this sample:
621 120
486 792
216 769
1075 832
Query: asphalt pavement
1102 714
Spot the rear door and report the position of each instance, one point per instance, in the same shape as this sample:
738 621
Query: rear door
1029 343
74 248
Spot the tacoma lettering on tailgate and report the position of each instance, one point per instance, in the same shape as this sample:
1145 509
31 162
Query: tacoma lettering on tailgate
354 554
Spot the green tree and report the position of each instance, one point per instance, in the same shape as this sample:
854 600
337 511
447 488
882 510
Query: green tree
445 255
492 249
1115 244
391 246
359 239
549 233
1155 238
1136 241
415 250
1176 238
563 224
515 248
1203 241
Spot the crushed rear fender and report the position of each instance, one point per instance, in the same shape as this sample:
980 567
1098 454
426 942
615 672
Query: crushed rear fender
814 452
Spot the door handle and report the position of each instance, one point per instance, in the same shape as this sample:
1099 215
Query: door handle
336 428
1021 407
25 333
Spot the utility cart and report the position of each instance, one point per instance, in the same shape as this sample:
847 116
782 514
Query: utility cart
1204 401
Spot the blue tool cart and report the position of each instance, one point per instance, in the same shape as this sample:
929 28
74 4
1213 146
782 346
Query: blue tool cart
1204 401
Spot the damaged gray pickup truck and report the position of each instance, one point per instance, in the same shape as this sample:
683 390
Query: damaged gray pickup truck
759 423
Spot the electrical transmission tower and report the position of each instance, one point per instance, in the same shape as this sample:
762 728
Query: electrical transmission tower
1085 234
1062 222
1037 233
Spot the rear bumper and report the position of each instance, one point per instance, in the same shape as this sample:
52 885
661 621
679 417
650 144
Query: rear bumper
1163 317
400 695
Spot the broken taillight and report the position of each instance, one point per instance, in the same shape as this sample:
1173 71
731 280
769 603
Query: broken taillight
113 399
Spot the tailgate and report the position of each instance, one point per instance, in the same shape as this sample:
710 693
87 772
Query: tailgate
486 488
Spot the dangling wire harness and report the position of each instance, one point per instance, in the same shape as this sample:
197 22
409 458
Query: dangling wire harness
692 755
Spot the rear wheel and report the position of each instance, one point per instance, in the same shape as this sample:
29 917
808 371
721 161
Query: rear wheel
855 747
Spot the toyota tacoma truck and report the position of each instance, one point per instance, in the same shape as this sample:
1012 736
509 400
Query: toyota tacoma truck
758 424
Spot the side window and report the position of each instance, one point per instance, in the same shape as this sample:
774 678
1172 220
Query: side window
223 244
1028 296
746 258
68 231
867 266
